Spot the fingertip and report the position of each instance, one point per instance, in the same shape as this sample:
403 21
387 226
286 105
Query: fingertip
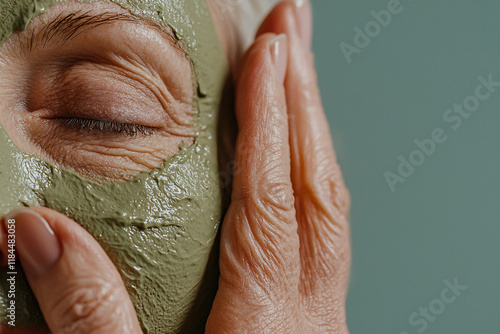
68 232
268 49
278 47
304 21
256 49
72 277
279 20
33 239
260 88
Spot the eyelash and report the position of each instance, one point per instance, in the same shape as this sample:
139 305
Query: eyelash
87 124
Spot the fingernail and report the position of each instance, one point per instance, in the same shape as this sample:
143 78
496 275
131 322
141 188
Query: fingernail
279 55
35 242
303 16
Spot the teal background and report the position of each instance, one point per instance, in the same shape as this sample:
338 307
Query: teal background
443 221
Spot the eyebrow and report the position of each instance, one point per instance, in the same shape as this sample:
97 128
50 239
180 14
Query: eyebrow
68 26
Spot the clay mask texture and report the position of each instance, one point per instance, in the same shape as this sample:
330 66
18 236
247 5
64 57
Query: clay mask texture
159 228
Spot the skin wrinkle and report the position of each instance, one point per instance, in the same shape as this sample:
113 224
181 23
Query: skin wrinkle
123 155
79 303
107 149
321 240
135 165
162 94
251 233
323 187
170 126
173 92
322 208
144 85
182 120
125 150
187 252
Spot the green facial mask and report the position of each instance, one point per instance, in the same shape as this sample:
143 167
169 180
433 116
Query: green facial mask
158 228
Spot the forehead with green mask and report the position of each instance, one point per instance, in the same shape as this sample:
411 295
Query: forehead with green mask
159 227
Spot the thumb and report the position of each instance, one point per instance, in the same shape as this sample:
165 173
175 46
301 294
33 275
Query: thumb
78 288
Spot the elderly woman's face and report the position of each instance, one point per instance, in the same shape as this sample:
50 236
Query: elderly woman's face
110 120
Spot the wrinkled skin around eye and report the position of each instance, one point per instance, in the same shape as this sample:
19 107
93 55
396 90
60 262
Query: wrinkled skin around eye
132 78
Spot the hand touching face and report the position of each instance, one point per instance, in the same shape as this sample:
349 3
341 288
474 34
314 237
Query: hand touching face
285 248
285 243
158 228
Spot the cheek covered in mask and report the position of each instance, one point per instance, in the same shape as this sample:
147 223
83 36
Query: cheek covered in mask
159 228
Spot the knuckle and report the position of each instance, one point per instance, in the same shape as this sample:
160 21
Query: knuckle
87 306
278 200
269 190
274 189
340 196
262 248
329 189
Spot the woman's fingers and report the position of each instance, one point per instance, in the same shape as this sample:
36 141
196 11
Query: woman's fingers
78 288
263 194
259 258
322 200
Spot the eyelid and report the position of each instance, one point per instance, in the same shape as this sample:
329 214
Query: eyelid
125 129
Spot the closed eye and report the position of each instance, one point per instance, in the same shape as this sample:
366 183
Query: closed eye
110 99
126 129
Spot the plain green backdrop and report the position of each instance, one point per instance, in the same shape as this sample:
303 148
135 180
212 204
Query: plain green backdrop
442 223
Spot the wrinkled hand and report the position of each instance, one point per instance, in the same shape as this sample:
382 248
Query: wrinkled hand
285 251
78 288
